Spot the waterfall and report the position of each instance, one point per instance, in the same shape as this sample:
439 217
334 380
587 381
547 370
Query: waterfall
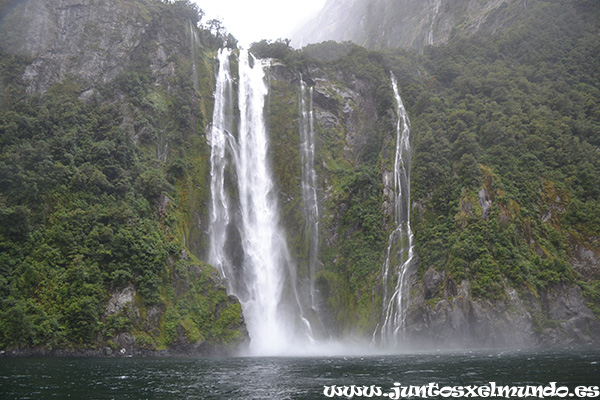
400 252
264 276
266 254
193 46
220 135
434 14
309 186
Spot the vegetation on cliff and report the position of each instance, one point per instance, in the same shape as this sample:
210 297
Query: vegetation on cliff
506 154
99 199
505 161
104 184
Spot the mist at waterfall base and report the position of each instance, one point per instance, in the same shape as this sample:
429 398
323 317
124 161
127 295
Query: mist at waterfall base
285 377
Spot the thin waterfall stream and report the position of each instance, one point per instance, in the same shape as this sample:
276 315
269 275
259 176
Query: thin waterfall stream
220 137
309 186
400 250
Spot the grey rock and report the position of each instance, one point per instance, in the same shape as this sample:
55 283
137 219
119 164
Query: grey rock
559 316
90 40
485 202
586 259
120 299
570 319
406 23
432 281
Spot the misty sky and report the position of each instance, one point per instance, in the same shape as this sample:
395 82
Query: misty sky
252 20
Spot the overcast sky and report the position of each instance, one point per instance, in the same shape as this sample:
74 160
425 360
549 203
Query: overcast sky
252 20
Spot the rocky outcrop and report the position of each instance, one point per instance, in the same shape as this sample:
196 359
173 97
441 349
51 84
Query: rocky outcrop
120 299
585 259
93 41
90 40
454 318
149 322
484 202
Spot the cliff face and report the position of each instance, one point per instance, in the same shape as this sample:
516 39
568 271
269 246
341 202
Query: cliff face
118 91
503 255
449 306
352 127
92 40
95 41
105 165
381 24
560 316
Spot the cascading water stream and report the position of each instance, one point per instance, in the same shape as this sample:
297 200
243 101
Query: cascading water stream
220 135
264 278
400 252
309 186
193 46
265 248
433 15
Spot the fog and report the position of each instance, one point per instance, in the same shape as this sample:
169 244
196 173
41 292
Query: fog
251 21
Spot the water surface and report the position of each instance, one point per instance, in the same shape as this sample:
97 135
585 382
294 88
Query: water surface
285 377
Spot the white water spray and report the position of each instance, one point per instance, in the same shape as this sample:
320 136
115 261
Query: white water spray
264 278
266 251
400 252
220 135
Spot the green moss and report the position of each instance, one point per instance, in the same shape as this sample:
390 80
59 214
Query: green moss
283 126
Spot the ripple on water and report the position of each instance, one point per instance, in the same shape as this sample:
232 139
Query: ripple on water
297 378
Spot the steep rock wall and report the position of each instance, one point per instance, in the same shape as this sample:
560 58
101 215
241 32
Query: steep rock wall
352 126
151 64
92 40
489 272
381 24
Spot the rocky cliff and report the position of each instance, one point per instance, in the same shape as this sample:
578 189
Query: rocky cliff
105 162
88 39
502 258
381 24
116 93
353 126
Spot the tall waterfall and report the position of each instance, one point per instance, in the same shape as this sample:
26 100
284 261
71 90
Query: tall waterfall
220 137
263 277
309 185
400 252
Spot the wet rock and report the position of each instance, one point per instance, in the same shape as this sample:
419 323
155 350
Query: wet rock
120 300
586 259
432 281
90 40
485 202
569 319
559 316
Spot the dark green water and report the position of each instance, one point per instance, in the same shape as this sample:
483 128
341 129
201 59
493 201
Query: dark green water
286 378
